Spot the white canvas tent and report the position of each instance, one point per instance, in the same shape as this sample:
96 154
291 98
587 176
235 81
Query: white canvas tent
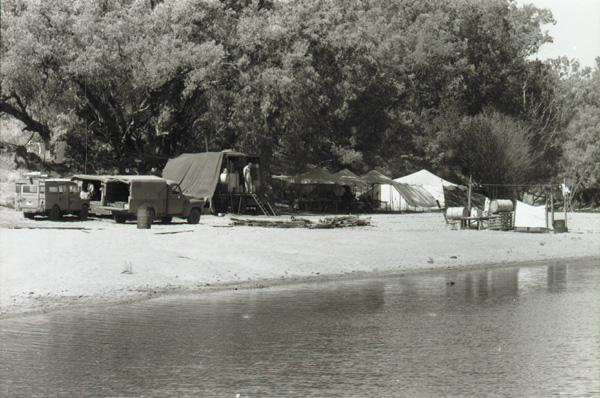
405 197
431 182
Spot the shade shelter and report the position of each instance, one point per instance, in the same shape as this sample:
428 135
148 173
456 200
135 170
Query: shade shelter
432 183
317 189
349 178
406 197
315 176
375 177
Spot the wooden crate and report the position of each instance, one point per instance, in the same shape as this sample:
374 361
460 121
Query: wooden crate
502 221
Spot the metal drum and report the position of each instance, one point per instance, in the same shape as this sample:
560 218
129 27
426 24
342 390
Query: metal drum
456 212
501 205
144 218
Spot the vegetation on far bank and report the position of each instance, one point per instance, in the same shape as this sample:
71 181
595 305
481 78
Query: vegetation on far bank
395 85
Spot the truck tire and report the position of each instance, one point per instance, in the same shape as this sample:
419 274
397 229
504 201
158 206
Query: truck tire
83 213
55 213
194 217
120 218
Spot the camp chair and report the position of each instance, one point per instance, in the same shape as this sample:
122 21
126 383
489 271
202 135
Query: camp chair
454 224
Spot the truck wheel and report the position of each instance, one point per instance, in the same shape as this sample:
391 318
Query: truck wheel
194 217
166 220
83 213
55 213
120 218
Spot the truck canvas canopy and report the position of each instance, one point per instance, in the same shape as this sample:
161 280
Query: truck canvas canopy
196 173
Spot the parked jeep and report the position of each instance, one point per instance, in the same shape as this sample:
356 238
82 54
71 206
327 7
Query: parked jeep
127 197
37 194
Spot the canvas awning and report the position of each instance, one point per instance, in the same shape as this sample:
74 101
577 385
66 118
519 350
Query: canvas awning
317 175
196 173
375 177
349 178
89 177
415 195
433 183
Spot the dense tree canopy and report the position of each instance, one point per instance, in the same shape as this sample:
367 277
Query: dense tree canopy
391 84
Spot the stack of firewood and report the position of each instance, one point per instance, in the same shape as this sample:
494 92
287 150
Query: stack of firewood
327 222
341 222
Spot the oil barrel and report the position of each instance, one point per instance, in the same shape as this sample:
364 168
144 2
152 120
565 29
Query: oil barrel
501 205
453 213
144 218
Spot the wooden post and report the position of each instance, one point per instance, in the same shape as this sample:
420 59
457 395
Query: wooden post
469 197
552 205
566 200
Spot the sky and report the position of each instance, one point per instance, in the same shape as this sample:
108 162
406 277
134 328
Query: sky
577 30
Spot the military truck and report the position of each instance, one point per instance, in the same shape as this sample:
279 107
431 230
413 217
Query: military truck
38 194
128 197
219 179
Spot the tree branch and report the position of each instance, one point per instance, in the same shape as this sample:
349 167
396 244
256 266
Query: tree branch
19 111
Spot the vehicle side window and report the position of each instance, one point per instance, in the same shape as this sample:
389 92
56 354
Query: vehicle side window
62 188
73 189
17 188
29 189
53 189
176 190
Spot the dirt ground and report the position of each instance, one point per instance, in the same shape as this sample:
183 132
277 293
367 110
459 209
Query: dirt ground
46 265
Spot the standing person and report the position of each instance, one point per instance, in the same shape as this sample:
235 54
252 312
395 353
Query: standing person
248 178
89 193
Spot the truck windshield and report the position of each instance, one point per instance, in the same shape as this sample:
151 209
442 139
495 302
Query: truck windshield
30 188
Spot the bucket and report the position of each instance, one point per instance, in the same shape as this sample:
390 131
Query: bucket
499 205
143 218
559 226
456 212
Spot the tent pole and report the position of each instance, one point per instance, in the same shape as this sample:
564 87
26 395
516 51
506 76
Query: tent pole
566 200
469 198
552 204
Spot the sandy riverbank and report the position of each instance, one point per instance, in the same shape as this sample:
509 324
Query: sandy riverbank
46 265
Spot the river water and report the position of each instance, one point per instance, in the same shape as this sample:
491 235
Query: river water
529 331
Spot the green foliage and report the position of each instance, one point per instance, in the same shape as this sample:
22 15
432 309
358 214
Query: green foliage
384 84
581 148
494 149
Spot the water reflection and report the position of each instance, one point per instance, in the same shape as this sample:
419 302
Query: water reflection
529 331
557 277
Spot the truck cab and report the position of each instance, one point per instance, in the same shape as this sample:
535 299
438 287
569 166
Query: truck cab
37 194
